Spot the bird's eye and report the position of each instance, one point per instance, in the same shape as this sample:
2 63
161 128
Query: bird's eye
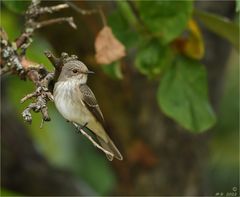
74 70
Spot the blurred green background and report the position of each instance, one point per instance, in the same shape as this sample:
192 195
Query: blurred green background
213 155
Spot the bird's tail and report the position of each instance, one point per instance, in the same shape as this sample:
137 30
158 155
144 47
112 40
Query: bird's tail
110 146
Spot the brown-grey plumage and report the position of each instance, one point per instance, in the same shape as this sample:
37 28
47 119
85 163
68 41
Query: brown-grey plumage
72 69
77 103
91 103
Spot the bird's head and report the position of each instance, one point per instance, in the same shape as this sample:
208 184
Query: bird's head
74 70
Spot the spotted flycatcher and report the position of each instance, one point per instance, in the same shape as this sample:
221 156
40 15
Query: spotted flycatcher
77 103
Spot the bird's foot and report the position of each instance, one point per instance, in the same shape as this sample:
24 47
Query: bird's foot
81 127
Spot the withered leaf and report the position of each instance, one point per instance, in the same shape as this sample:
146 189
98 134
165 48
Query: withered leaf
108 47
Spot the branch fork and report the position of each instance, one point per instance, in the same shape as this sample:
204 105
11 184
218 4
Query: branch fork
14 61
42 95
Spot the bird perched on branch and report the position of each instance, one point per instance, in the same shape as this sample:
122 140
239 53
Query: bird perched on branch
77 103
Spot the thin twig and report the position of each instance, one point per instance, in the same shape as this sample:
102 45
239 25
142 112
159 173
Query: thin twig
103 17
13 60
52 9
88 12
28 96
42 123
57 20
80 10
31 24
92 140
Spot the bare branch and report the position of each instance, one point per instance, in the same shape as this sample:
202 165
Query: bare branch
103 17
32 14
42 95
54 60
56 20
3 34
28 96
92 140
9 56
80 10
14 61
11 60
88 12
52 9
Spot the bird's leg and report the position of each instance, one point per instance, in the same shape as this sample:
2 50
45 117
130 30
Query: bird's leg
91 139
81 127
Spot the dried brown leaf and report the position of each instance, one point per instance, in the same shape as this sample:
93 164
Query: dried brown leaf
108 47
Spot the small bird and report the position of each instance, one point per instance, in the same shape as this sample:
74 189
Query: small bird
77 103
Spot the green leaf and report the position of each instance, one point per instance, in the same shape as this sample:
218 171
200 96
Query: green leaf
127 12
183 95
122 30
17 6
221 26
165 19
153 58
113 70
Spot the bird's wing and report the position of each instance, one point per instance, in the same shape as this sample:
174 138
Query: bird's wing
91 103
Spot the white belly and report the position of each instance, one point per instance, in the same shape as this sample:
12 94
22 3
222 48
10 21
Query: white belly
67 98
69 104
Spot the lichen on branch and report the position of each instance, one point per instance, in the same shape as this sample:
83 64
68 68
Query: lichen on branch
14 61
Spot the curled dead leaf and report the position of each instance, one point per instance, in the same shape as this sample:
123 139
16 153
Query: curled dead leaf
108 47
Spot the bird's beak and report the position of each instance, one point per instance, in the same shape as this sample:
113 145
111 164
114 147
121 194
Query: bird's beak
89 72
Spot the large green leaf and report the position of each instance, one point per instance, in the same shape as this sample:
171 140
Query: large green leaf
221 26
122 30
165 19
153 58
183 95
17 6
